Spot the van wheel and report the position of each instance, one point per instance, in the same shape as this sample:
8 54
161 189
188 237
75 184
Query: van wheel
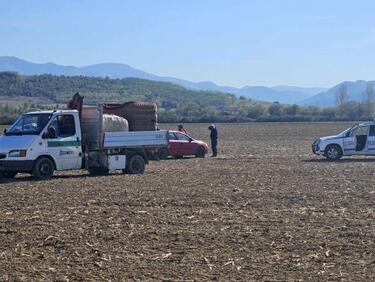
43 169
201 152
8 174
135 165
333 152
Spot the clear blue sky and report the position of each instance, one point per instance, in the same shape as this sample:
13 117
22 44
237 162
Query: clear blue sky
233 42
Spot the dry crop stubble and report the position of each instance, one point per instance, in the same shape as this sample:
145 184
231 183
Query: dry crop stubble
265 209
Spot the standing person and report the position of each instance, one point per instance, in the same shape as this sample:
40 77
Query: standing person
213 137
182 129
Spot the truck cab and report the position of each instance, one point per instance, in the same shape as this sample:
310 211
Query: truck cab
53 136
42 142
356 140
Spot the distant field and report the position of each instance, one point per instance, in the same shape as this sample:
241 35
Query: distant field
265 209
20 100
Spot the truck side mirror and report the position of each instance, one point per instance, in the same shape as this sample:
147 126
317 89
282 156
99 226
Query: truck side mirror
5 130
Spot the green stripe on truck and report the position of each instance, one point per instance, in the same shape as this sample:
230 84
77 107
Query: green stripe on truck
64 143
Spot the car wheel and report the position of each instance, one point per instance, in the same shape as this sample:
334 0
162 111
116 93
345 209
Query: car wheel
43 169
201 152
163 154
135 165
8 174
333 152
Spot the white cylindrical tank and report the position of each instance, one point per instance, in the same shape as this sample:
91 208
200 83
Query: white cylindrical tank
113 123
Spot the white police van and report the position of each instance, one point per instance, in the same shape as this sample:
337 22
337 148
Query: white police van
356 140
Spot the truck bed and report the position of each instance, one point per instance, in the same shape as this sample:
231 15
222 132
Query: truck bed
133 139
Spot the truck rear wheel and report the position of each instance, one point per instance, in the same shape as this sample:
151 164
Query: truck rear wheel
135 165
8 174
43 169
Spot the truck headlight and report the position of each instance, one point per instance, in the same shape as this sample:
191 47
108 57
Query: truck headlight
17 154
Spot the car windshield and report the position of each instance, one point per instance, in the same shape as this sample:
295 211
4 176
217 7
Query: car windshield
182 137
32 124
345 132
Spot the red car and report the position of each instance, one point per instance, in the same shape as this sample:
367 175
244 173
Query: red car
181 144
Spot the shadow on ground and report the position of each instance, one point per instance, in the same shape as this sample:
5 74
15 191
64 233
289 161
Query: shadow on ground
348 160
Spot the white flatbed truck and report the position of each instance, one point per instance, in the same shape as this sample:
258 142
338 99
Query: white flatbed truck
44 141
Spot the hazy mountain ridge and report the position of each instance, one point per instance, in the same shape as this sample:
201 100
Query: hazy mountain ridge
355 91
22 93
307 90
283 94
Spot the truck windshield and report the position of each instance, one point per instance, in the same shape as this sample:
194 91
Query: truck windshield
30 124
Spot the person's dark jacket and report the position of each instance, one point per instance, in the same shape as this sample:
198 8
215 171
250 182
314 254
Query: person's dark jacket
213 134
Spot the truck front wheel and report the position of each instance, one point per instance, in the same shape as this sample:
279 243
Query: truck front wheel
333 152
135 165
43 169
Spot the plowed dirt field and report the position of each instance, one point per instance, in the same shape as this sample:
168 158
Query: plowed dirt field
265 209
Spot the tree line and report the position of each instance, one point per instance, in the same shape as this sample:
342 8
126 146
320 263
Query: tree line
175 103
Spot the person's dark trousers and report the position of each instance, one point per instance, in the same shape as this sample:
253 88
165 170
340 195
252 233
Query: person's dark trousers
214 147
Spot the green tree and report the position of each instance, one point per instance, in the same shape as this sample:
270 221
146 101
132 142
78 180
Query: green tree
275 109
369 101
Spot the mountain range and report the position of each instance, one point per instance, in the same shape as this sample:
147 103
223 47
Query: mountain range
316 96
283 94
355 91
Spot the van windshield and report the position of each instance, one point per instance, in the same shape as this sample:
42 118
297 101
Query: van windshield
29 124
